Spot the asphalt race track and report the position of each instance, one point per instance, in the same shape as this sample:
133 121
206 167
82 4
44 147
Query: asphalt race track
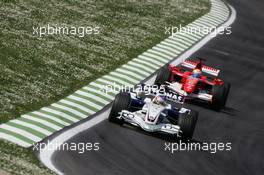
125 151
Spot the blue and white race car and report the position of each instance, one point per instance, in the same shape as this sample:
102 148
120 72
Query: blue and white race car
154 112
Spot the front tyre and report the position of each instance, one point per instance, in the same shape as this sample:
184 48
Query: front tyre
187 122
122 102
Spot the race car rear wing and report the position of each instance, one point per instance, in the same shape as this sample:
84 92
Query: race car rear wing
205 69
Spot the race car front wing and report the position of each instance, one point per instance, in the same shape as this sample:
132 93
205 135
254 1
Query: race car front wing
138 120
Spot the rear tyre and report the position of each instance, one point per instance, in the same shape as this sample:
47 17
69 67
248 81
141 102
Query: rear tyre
227 89
163 76
219 97
187 124
122 102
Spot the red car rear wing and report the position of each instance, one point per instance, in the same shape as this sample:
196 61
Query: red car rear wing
206 69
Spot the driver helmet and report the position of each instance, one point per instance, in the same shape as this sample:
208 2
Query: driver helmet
159 99
196 73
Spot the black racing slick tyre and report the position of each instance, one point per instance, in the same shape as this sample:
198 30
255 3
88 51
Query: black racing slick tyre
122 102
219 97
227 89
187 122
163 76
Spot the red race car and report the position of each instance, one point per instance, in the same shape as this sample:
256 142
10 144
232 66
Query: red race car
191 80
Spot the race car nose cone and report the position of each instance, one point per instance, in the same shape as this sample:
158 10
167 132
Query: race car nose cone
190 85
188 89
